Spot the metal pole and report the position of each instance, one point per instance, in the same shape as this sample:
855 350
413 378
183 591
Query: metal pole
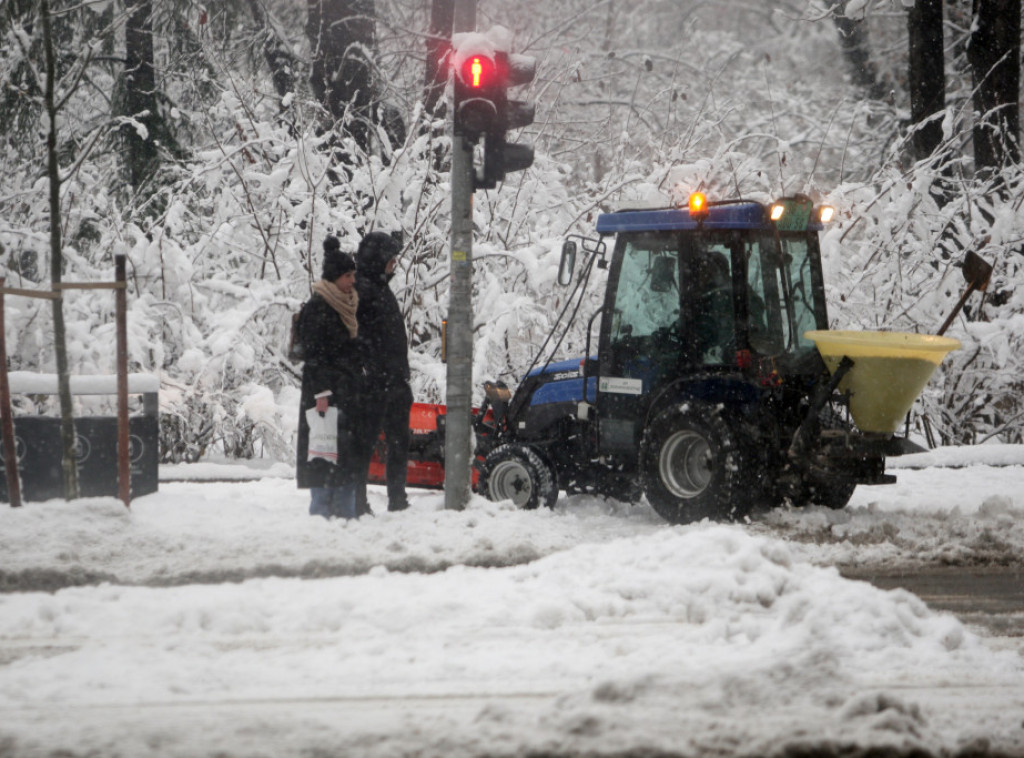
9 444
458 427
124 480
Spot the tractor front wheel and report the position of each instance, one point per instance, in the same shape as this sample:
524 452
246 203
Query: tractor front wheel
518 473
693 465
832 492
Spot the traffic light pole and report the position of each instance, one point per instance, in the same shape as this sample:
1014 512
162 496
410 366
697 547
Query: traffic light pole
458 423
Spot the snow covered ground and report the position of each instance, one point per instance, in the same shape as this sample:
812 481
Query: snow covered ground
220 619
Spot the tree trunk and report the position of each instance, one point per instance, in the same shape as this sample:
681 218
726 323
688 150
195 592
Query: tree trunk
341 35
69 463
853 40
439 45
275 51
994 54
927 75
141 156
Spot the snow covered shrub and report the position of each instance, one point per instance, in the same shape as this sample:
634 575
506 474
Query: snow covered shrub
894 262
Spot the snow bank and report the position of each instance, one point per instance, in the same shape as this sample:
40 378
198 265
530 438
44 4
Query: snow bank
219 619
671 640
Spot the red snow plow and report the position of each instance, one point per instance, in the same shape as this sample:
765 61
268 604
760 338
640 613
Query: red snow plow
426 449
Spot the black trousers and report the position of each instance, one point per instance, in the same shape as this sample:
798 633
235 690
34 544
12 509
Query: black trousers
387 410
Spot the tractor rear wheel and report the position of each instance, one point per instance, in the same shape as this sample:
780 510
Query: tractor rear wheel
518 473
693 465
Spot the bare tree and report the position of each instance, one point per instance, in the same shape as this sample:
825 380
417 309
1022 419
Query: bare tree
994 54
926 75
854 41
442 14
141 155
275 49
341 35
67 423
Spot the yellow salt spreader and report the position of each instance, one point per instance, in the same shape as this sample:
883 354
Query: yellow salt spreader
883 373
877 376
874 379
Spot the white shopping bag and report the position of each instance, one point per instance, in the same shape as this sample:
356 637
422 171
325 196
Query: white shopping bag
323 434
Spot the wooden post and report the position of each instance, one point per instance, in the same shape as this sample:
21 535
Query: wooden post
124 483
124 480
7 420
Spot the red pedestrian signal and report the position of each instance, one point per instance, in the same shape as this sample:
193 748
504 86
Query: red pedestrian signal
478 72
476 92
484 72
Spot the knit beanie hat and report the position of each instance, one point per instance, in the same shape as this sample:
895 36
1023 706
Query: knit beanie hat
336 263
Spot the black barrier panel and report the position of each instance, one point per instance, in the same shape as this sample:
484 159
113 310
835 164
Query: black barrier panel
37 440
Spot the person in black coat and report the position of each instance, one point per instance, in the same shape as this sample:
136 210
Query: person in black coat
388 397
332 385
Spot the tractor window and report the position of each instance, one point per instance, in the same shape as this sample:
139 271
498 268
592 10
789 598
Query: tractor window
712 293
798 263
781 295
647 298
644 335
765 305
672 306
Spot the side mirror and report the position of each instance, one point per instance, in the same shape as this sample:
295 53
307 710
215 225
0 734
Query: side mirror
568 263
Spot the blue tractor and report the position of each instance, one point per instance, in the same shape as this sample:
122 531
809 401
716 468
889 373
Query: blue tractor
704 393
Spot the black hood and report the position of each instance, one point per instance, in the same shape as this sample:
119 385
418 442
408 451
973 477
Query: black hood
375 250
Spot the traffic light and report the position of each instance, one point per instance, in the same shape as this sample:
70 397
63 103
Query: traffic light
502 157
484 72
477 91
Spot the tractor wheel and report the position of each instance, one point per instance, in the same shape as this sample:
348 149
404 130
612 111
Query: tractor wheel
833 493
518 473
693 465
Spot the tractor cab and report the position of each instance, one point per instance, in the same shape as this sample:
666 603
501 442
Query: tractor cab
705 294
715 290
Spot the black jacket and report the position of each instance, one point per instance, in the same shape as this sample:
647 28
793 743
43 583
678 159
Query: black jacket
381 325
333 361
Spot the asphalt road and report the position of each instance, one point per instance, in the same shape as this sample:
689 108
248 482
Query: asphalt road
989 597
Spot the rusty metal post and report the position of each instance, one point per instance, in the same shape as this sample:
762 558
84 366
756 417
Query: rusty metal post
124 472
6 419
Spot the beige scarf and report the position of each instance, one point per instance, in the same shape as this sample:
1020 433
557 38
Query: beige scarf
344 304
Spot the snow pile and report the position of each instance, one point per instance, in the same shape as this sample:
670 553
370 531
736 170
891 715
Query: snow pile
219 619
232 530
193 532
667 639
991 535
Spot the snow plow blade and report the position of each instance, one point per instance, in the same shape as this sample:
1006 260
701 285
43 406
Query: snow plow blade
426 450
890 370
